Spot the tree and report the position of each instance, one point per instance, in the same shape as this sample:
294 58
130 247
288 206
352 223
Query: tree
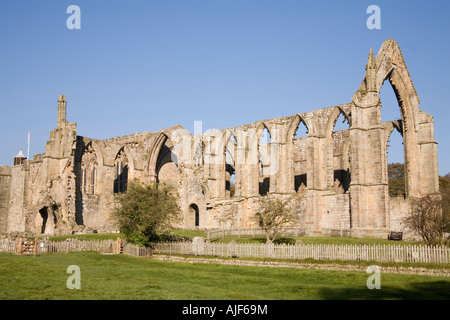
427 220
146 212
396 179
273 216
444 188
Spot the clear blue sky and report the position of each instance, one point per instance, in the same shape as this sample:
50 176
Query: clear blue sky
147 65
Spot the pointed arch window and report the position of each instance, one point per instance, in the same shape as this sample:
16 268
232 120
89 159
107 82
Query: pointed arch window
121 172
341 167
264 161
299 166
89 170
91 177
230 166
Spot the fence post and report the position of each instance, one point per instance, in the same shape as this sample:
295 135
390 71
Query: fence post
19 246
198 246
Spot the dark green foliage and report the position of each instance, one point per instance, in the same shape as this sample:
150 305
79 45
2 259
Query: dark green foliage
396 179
273 215
146 212
444 188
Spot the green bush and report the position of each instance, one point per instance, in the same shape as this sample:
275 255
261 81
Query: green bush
146 212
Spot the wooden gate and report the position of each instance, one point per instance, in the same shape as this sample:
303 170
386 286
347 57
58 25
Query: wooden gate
26 246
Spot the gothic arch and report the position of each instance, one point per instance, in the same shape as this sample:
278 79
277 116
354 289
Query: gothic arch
154 153
294 181
129 155
230 164
98 152
391 66
165 162
336 176
295 123
263 159
194 215
121 171
90 161
337 111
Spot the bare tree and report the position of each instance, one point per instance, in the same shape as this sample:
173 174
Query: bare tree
426 219
273 216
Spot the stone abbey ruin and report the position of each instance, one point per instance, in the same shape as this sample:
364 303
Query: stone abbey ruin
336 180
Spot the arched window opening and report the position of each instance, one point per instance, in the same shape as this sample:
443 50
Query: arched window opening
341 123
341 169
301 131
93 178
390 109
121 172
299 156
167 165
230 175
264 162
89 178
395 156
194 215
395 165
230 166
89 170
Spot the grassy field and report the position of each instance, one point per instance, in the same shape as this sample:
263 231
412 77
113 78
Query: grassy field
88 236
123 277
288 240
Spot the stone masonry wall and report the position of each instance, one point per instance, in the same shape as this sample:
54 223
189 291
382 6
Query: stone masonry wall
335 179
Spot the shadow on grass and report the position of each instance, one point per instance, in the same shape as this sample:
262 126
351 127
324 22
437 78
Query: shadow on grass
436 290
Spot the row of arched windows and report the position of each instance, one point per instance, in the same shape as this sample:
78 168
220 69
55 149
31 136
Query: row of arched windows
89 173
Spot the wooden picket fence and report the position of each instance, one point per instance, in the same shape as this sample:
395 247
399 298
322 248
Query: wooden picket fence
137 251
75 245
250 232
8 246
380 253
41 246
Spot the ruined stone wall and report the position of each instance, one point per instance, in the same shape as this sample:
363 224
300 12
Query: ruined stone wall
334 179
5 187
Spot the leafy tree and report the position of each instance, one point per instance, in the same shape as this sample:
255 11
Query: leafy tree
396 179
146 212
273 216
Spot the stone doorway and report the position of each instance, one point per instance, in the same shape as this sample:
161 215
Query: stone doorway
194 215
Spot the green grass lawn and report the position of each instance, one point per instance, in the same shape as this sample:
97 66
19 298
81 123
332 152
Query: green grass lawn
260 239
88 236
124 277
316 240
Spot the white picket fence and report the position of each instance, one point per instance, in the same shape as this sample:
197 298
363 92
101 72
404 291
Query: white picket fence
75 245
8 246
380 253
